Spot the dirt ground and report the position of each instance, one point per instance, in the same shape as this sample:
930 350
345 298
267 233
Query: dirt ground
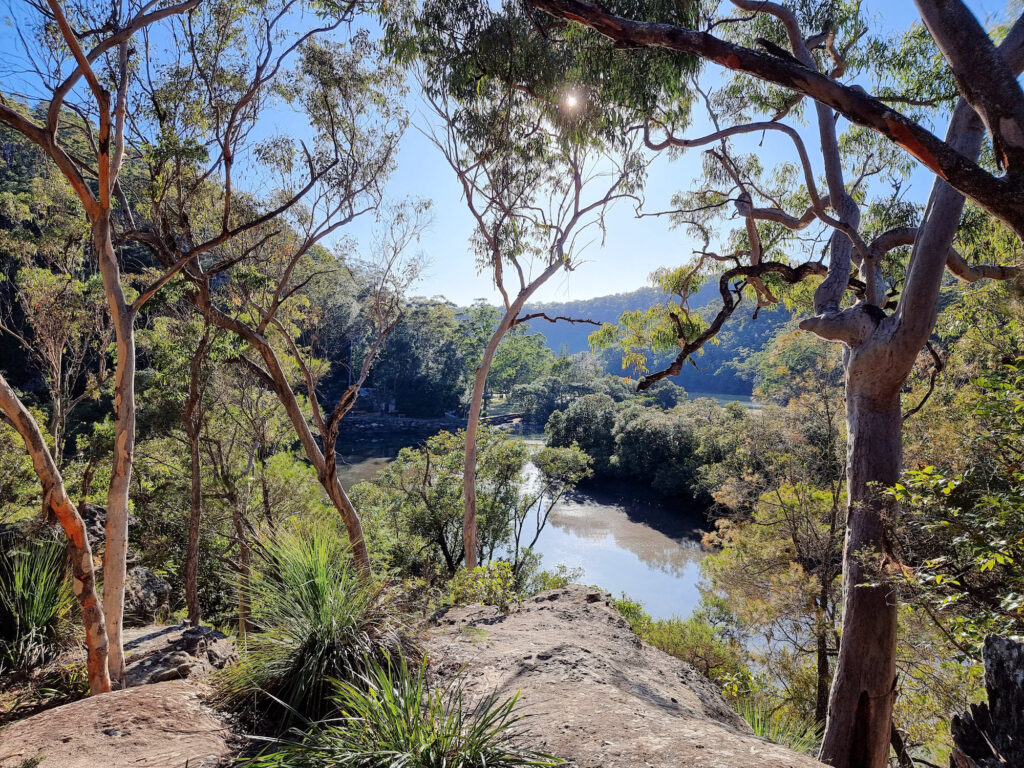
595 694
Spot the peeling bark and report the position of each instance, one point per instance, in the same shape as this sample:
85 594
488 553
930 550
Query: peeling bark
989 736
80 553
863 689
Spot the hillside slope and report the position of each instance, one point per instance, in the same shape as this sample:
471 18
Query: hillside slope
715 370
595 694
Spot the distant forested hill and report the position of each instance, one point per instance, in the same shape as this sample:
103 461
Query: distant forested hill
718 370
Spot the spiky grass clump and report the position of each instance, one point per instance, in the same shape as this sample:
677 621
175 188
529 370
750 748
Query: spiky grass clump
35 600
390 718
316 621
796 733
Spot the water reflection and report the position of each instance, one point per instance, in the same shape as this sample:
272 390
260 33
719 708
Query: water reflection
623 537
626 539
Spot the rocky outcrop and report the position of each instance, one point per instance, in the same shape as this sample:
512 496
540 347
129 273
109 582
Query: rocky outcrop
595 694
156 654
155 726
147 597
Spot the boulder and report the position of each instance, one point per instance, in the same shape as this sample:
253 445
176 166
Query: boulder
157 654
146 597
167 725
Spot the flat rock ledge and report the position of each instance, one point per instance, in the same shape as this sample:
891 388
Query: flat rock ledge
163 725
594 694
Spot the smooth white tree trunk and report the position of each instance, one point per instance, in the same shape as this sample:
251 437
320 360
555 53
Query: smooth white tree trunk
115 557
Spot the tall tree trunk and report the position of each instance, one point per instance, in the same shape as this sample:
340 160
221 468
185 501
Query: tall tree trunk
326 468
864 687
469 527
115 558
56 499
244 569
192 418
349 515
194 519
238 513
822 679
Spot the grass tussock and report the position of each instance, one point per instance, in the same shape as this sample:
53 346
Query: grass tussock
784 729
390 718
316 622
35 602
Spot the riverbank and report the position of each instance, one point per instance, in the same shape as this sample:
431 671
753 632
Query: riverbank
624 537
591 692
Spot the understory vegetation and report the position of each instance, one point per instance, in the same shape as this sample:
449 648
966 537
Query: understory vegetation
318 640
389 717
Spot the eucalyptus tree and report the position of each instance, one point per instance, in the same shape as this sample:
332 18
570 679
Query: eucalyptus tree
185 348
73 55
272 315
257 219
56 499
806 57
531 132
54 308
186 102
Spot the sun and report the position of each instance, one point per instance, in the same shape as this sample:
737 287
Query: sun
572 101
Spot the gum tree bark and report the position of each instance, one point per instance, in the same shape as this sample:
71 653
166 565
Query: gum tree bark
56 500
115 557
192 419
508 320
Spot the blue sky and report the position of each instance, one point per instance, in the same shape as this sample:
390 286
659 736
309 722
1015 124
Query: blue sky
632 248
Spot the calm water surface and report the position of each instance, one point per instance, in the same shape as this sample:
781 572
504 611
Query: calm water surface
624 538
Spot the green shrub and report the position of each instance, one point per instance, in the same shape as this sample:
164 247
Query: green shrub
789 731
492 584
695 640
698 643
391 719
316 621
633 611
35 599
533 580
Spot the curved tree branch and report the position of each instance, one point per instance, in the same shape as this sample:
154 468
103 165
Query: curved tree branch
1002 197
730 302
